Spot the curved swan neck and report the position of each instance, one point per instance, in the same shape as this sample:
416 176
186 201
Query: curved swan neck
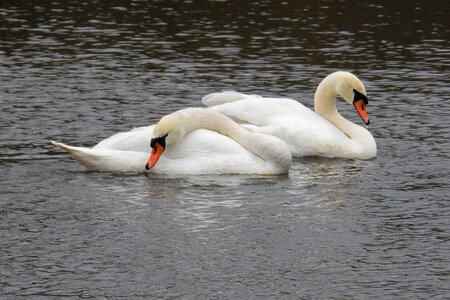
196 118
265 146
325 105
325 96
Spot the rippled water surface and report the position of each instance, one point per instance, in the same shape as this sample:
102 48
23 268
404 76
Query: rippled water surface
80 71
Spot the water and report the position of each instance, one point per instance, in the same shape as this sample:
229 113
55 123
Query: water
78 72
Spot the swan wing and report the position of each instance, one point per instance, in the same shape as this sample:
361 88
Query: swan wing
137 139
254 109
221 98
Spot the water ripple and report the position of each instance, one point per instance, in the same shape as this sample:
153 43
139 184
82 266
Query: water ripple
81 71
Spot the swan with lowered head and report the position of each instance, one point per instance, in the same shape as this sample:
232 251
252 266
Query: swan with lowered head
188 141
321 133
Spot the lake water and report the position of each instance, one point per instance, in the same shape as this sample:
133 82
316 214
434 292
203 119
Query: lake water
80 71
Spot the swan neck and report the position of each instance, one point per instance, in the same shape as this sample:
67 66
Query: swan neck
207 119
325 97
264 146
325 105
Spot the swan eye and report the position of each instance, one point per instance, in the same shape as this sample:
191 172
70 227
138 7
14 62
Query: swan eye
158 140
360 96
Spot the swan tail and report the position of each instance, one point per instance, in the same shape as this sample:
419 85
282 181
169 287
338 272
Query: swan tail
75 151
71 149
84 155
221 98
107 160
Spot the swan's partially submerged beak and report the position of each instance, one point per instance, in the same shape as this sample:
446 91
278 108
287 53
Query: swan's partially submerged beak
361 109
154 156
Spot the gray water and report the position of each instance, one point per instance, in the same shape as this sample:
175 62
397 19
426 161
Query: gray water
80 71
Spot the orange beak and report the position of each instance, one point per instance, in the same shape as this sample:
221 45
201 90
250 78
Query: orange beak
154 156
361 109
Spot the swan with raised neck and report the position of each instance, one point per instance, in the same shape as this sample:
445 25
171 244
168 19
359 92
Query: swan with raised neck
323 132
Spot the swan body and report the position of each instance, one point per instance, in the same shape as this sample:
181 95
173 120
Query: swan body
197 141
323 132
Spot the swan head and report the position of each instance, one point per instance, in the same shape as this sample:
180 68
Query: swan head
166 133
353 91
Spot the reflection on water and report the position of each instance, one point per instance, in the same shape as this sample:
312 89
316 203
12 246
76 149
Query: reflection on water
81 71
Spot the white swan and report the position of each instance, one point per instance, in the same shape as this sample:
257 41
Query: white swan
194 141
323 132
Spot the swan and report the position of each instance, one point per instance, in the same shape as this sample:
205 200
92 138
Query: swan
189 141
323 132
